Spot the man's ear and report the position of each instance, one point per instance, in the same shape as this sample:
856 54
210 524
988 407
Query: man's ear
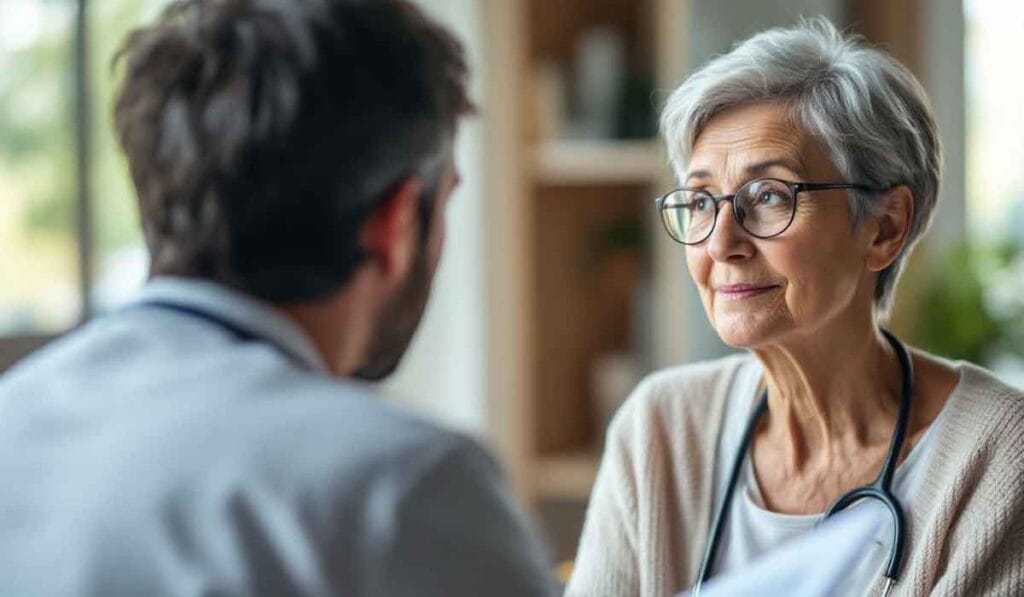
891 227
390 234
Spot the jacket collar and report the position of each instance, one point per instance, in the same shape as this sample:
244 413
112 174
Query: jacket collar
255 317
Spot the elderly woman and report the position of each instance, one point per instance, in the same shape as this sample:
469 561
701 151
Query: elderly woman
809 167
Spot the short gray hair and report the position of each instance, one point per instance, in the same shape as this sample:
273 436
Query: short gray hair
868 110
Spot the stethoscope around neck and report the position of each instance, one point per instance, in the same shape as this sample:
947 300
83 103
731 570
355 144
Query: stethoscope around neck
880 489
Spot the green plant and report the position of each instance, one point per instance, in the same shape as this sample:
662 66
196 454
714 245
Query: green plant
973 304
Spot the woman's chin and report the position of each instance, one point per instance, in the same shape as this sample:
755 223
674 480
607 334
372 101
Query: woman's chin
745 330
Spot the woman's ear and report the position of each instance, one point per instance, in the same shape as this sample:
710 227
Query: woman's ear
892 227
390 234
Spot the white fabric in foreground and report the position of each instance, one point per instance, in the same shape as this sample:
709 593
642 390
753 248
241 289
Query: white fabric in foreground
814 564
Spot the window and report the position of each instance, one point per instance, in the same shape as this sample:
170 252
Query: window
69 240
119 259
995 93
986 286
38 244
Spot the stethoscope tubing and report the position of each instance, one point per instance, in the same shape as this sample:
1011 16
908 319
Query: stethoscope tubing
880 489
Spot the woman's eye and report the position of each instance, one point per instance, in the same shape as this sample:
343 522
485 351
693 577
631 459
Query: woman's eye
700 204
772 198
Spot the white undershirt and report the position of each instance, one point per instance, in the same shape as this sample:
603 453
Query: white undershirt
752 530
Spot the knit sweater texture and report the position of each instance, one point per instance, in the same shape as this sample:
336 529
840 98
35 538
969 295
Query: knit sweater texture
651 508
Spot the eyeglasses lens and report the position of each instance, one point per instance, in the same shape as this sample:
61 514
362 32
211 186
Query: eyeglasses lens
763 207
688 215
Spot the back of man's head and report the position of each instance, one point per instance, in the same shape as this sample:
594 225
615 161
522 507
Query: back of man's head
260 133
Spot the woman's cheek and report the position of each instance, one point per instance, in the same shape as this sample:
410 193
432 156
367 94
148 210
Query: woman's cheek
699 265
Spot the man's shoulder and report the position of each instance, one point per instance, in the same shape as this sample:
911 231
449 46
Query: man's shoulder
326 428
301 465
241 416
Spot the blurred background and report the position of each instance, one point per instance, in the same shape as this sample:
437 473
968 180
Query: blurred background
557 291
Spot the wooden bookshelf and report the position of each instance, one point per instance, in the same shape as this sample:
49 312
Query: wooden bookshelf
572 240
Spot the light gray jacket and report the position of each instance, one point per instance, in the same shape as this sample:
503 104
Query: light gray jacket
155 452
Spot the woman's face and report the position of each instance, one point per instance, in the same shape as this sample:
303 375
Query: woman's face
762 291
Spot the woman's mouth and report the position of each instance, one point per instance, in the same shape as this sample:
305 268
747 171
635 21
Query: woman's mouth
739 292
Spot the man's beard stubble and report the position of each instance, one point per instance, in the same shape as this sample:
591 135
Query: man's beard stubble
397 323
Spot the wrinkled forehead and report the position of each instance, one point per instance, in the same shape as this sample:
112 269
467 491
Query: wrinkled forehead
755 140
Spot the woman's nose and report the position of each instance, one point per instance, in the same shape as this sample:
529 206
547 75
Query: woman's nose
728 241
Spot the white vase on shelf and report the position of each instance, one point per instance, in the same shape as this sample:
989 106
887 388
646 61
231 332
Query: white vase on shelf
600 70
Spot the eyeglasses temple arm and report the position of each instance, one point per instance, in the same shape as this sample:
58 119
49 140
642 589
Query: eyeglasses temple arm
824 186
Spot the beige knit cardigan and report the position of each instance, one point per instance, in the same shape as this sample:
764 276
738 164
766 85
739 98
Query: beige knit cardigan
651 509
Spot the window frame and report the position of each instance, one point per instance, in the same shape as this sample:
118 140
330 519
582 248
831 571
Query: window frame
15 347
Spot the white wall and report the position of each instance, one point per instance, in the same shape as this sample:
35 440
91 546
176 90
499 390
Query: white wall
443 375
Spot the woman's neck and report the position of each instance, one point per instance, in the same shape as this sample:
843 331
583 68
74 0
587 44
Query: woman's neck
830 392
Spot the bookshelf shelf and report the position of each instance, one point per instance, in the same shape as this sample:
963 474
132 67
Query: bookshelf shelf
597 162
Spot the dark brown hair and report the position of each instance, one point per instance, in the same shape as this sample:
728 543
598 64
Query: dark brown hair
260 133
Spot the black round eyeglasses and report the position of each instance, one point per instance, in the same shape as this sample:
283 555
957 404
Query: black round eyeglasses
764 207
